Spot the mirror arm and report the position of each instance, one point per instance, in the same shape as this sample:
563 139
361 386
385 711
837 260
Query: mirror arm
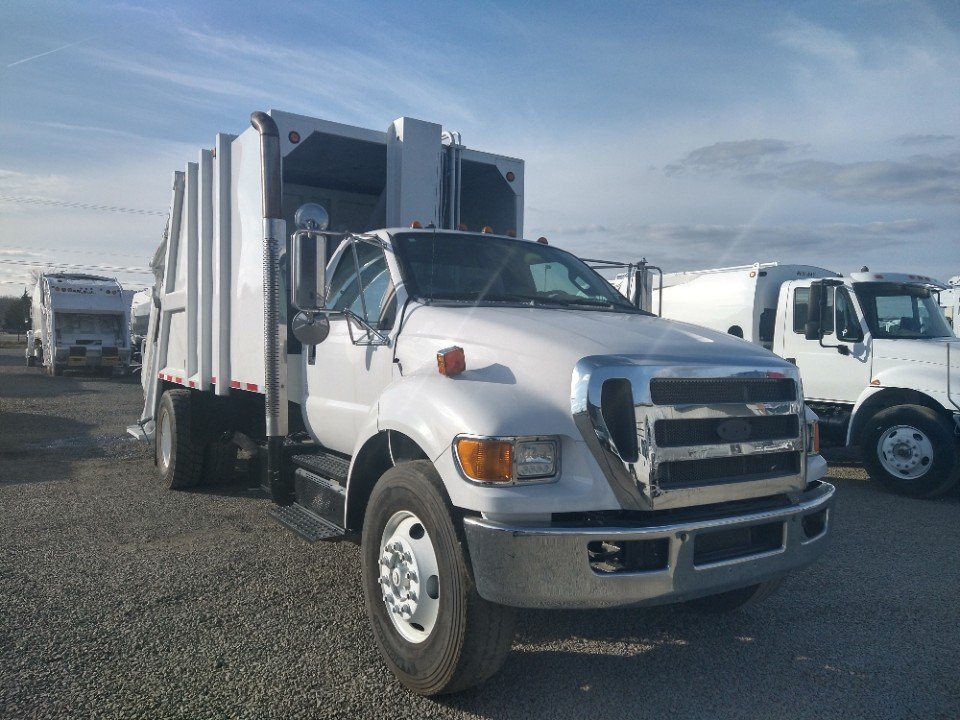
378 336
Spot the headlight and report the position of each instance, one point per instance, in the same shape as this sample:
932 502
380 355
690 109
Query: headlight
507 460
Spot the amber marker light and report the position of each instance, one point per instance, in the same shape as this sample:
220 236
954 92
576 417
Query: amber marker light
451 361
294 137
487 230
416 225
486 460
543 241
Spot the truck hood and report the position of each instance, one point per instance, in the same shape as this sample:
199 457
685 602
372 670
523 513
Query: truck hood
933 351
553 340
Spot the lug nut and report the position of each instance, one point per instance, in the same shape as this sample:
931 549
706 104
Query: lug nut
411 576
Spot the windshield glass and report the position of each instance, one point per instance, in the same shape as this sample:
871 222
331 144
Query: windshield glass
88 324
895 310
484 269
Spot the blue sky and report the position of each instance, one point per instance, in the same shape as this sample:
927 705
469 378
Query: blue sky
696 134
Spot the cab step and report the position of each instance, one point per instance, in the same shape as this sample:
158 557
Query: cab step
306 523
326 465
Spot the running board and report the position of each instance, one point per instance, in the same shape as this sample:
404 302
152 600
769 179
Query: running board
305 523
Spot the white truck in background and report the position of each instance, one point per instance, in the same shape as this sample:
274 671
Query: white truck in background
78 322
949 300
880 365
492 422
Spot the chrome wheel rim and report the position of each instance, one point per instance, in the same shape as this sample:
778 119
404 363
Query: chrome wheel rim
409 577
166 441
905 452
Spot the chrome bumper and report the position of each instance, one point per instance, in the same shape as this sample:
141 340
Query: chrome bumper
549 566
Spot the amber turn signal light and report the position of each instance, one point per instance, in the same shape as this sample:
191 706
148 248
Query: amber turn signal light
486 460
451 361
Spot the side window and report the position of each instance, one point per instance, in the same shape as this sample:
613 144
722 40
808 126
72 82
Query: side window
801 308
848 324
363 283
828 311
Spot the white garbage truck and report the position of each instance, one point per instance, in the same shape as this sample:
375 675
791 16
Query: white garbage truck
485 415
78 322
880 364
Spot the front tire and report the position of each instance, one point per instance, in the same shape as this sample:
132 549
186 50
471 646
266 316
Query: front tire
434 631
911 450
179 453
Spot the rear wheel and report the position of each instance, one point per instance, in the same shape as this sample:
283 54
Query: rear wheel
179 453
434 631
911 450
736 599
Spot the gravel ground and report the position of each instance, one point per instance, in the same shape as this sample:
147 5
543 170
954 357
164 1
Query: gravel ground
119 599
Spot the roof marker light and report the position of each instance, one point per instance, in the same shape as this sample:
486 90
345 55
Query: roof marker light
487 230
294 137
416 225
542 240
511 233
462 227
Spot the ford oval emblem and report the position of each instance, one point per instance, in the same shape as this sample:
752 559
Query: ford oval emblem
734 430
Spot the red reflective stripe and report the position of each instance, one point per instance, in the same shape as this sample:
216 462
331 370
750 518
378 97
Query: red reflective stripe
192 384
178 380
235 384
214 379
252 386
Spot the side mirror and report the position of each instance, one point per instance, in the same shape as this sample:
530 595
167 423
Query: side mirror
308 262
813 329
308 270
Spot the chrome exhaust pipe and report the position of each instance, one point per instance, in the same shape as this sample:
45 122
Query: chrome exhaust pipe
274 335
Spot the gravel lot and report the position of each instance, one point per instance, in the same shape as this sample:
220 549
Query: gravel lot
119 599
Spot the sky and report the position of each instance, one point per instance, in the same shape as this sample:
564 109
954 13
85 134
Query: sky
692 134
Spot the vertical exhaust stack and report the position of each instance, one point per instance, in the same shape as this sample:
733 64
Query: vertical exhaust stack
274 335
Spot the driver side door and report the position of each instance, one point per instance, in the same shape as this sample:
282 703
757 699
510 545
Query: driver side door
346 373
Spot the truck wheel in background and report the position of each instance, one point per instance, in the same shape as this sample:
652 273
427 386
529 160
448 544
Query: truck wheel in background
31 360
179 451
736 599
911 450
434 631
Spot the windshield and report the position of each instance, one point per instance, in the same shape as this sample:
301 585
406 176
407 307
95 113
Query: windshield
895 310
484 269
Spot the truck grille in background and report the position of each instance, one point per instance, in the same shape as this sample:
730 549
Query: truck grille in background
711 391
678 433
690 473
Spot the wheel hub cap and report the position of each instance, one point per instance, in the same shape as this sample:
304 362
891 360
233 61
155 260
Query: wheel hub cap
905 452
408 577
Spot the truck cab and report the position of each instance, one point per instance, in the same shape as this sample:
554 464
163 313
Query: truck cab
881 366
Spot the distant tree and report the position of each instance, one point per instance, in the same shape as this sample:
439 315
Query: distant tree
18 313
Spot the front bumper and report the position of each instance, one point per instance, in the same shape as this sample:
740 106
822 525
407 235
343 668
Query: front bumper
549 566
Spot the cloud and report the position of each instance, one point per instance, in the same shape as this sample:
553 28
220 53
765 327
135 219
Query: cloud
691 246
914 140
732 155
922 179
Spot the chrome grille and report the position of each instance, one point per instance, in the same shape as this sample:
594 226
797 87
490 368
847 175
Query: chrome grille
742 467
710 431
708 391
704 434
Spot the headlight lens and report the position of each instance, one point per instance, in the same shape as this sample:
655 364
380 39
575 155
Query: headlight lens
507 460
536 459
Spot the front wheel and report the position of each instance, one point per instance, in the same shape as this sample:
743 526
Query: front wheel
434 631
911 450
